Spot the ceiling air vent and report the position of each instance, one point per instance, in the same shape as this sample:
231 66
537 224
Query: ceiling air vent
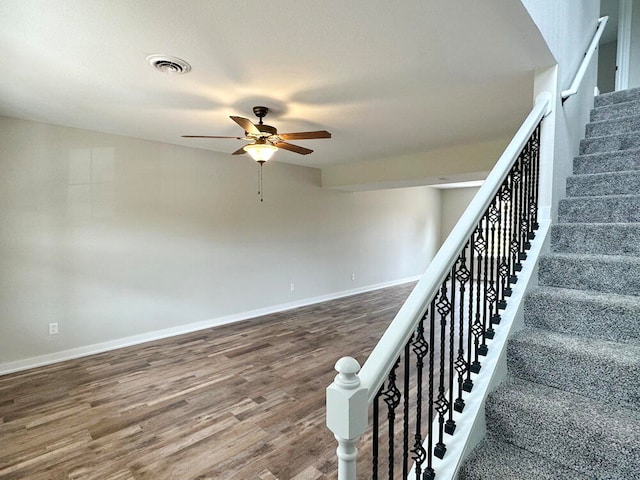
169 65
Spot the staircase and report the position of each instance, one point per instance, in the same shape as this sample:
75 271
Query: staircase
570 407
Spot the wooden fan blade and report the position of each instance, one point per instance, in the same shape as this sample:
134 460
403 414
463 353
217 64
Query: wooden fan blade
245 123
239 151
209 136
305 135
293 148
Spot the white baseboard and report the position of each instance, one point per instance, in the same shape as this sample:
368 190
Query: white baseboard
42 360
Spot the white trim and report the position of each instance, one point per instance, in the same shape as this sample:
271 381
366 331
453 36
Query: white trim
42 360
623 49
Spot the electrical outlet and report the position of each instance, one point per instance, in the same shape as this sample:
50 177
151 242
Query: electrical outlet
353 277
292 287
53 328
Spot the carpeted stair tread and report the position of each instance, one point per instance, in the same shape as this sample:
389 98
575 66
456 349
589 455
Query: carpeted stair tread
609 143
496 460
600 209
604 371
609 183
621 96
623 160
604 273
613 126
596 238
595 438
615 110
589 314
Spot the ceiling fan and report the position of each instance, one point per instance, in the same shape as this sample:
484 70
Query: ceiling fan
266 139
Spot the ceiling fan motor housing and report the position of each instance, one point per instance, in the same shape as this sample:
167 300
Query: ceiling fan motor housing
267 129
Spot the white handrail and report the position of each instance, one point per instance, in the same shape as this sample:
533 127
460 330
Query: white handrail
388 349
573 89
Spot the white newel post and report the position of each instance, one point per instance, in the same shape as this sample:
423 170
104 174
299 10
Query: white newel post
347 414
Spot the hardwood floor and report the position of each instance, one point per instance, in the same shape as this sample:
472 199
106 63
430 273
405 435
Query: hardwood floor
243 401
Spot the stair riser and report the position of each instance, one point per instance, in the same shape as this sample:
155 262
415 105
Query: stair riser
609 143
621 209
572 312
615 111
591 273
589 373
613 127
624 183
631 95
596 239
623 160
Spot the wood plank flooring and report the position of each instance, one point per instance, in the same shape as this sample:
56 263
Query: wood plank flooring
243 401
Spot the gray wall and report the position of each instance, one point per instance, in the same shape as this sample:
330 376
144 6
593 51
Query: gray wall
607 67
114 237
454 202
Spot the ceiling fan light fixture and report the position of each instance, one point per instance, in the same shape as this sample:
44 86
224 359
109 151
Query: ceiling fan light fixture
260 152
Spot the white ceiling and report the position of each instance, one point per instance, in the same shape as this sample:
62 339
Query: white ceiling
387 78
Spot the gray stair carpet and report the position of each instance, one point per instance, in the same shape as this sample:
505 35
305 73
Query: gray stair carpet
570 407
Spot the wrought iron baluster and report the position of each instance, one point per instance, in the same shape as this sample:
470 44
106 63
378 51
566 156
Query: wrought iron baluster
391 397
405 423
525 245
536 176
479 326
505 229
375 435
485 285
442 405
429 472
491 295
420 347
450 425
461 365
516 177
474 365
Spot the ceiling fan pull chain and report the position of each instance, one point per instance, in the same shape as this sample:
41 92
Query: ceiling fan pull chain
260 182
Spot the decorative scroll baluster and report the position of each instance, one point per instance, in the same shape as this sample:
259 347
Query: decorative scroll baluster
420 347
515 224
429 471
504 196
391 396
480 246
474 365
518 244
535 178
491 295
450 425
485 286
443 307
524 226
405 423
461 365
